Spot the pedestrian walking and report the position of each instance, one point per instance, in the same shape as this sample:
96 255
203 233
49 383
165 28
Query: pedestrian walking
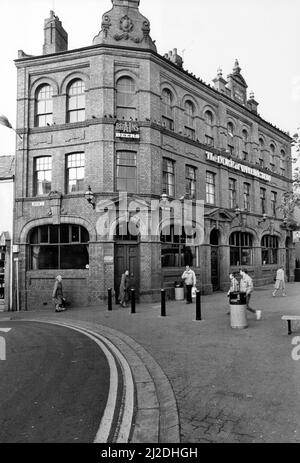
124 289
189 278
246 286
57 295
279 282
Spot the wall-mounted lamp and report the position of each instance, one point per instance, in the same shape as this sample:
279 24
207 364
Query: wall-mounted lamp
241 215
90 197
237 211
164 198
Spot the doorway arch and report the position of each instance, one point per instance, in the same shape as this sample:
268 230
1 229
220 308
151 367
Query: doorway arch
127 256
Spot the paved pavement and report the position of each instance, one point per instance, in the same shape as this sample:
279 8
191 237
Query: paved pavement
230 385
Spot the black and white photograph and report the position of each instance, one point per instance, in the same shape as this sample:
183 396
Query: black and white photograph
149 225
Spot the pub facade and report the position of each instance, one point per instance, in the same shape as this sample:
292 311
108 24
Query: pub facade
112 135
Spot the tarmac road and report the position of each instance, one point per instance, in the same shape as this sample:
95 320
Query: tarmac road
54 385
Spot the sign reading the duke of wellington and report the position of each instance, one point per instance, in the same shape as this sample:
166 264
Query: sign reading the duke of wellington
127 129
237 166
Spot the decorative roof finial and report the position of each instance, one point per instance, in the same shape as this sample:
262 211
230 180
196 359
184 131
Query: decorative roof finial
251 96
219 72
237 68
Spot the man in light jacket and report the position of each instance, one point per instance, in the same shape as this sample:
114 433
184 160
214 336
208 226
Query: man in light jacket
246 286
279 282
189 278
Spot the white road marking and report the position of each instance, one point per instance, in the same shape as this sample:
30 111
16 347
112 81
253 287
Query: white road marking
5 330
128 407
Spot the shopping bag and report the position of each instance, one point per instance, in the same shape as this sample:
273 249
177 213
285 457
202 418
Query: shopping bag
194 290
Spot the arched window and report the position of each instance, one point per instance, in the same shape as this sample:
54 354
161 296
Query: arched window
189 111
245 144
42 176
76 101
230 130
241 249
58 247
126 99
272 156
167 109
282 162
269 250
44 106
261 152
209 133
230 138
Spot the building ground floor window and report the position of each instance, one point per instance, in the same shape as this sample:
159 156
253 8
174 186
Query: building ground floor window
58 247
241 249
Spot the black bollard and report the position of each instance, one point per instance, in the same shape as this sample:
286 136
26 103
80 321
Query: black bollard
198 305
163 302
133 301
110 299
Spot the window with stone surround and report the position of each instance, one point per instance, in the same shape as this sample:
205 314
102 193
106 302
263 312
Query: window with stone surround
168 185
126 105
75 172
261 152
209 130
246 196
167 109
58 247
189 112
263 207
232 193
241 249
274 202
42 176
272 157
76 101
44 106
190 182
282 162
126 171
210 188
269 250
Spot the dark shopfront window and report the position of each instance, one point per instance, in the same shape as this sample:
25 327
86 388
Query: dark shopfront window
54 247
174 251
269 250
241 249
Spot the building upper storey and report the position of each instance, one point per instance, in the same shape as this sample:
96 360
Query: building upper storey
122 77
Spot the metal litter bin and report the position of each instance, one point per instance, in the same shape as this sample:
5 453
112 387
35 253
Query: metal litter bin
179 293
238 317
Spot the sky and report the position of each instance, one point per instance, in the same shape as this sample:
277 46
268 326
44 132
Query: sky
264 35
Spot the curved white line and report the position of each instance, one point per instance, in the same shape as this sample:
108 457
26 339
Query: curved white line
127 416
128 409
107 418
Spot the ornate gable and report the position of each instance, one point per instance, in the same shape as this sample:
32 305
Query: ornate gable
124 25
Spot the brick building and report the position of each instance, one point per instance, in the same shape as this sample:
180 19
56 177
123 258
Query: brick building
117 116
7 171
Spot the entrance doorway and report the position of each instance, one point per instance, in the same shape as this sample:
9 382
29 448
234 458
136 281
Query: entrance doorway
214 259
127 258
